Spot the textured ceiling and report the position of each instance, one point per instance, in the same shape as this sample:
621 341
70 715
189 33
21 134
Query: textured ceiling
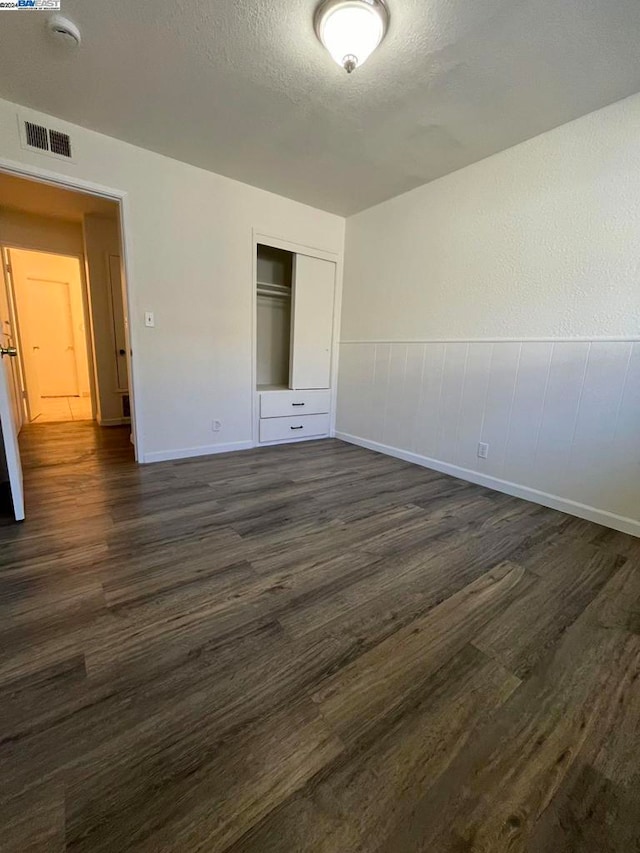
242 87
45 200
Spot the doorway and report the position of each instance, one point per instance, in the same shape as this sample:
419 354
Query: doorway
50 307
67 377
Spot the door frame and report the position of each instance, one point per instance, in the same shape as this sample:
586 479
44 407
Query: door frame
7 283
45 176
260 237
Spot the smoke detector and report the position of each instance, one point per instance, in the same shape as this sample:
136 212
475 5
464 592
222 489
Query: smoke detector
64 31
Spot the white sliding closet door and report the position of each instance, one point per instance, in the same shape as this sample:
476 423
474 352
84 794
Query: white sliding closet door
312 322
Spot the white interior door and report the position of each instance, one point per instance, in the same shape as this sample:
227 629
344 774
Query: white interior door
312 322
8 339
52 337
11 413
10 438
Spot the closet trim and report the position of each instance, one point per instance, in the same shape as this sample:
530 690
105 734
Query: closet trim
259 237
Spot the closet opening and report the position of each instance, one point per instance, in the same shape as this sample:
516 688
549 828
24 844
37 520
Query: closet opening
294 320
274 295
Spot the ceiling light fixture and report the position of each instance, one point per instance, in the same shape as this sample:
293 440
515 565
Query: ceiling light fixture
351 29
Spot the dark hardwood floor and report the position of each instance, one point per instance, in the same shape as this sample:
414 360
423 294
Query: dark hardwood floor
308 648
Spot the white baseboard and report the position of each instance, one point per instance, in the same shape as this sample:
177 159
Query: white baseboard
188 452
590 513
108 422
302 440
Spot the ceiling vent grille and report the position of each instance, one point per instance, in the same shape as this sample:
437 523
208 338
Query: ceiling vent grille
44 140
36 136
60 143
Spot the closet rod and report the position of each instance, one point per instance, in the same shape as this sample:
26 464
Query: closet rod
280 288
273 295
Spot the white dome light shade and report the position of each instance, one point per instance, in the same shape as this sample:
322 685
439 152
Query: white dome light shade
351 29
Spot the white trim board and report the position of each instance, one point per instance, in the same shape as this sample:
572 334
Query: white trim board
289 246
259 237
189 452
109 422
551 340
590 513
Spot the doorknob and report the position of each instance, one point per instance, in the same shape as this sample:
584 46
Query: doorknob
12 351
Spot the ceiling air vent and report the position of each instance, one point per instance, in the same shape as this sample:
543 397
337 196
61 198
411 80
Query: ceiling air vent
60 143
36 136
44 140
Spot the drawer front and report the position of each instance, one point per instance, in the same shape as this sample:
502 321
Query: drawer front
281 429
279 404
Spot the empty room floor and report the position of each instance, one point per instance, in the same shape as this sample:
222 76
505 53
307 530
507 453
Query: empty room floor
55 409
308 648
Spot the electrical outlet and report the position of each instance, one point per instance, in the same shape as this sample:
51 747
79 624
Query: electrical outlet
216 426
483 450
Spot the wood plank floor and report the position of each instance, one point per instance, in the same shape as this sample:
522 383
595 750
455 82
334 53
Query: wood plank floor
308 648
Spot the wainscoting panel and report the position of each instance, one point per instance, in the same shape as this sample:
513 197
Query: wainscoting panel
561 417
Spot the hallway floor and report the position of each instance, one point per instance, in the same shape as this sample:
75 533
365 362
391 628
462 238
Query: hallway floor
56 409
309 648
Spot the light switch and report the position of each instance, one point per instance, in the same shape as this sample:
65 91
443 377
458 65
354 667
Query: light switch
149 319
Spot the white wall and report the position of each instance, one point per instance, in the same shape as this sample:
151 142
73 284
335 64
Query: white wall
540 241
191 264
42 233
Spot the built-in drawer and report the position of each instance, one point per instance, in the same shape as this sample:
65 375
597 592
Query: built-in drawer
305 426
279 404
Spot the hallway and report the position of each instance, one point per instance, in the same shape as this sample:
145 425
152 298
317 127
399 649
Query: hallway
56 409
